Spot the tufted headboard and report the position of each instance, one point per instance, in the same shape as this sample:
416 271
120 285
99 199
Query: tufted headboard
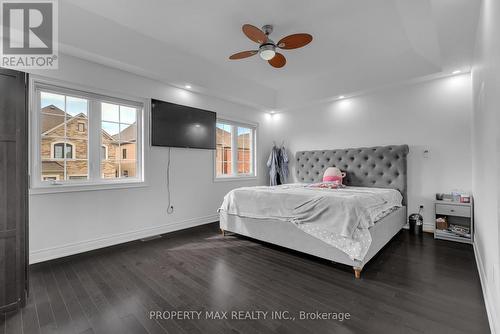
381 167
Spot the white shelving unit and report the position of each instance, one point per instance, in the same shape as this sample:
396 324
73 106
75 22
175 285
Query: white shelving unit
455 213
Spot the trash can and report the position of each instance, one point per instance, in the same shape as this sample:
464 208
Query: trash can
416 222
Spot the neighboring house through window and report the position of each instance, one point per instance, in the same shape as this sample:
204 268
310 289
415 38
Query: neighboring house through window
235 150
84 138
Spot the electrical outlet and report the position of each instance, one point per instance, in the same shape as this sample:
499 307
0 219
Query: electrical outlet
427 153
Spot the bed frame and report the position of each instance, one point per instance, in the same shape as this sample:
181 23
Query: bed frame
380 167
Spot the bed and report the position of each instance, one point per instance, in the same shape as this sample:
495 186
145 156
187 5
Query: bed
370 170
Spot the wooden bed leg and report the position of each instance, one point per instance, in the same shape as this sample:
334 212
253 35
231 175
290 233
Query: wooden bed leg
357 272
223 232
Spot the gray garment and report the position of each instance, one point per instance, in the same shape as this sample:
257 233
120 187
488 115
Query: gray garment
273 165
278 166
283 165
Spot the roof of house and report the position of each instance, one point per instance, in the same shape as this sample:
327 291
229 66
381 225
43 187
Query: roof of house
127 134
54 117
52 167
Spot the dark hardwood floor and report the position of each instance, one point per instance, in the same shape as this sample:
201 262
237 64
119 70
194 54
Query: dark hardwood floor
414 285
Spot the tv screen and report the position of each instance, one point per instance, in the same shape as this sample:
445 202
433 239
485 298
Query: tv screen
174 125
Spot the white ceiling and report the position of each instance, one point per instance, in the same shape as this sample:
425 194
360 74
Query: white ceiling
357 45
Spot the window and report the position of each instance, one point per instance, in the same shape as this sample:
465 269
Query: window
223 149
104 152
63 149
83 138
77 177
235 153
120 131
59 152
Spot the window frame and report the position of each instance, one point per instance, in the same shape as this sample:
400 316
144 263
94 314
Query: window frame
105 147
76 175
50 176
83 126
95 98
234 152
65 144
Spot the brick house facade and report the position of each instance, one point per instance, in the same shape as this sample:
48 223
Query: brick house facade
223 153
64 141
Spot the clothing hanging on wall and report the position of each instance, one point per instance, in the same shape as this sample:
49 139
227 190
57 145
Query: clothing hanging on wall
283 165
272 164
278 165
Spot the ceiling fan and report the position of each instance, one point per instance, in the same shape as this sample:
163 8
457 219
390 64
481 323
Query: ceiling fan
267 47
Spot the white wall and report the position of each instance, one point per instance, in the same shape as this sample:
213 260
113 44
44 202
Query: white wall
67 223
486 85
433 115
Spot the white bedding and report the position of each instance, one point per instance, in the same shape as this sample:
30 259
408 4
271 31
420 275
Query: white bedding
339 217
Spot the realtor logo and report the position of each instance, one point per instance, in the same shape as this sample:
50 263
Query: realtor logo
29 34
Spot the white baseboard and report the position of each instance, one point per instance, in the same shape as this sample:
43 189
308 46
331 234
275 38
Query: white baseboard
88 245
427 227
489 296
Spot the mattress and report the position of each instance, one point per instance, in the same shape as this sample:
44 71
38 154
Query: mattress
288 235
338 217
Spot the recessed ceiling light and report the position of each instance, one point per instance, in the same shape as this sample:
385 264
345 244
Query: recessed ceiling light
341 96
187 86
456 72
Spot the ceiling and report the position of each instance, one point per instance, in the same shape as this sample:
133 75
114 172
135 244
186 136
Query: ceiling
358 44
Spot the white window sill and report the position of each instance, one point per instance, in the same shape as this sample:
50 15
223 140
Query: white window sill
235 178
67 188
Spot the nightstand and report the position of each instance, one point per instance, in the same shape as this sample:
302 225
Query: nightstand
457 216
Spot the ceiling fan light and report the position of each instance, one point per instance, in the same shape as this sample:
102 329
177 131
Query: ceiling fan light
267 52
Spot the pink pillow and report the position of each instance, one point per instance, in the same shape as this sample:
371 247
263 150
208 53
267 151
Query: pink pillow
333 174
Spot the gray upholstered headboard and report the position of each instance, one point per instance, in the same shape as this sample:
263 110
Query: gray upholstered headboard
381 167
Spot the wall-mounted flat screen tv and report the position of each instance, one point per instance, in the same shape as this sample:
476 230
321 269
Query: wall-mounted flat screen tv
175 125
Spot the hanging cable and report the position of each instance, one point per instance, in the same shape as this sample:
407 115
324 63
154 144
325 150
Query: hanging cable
170 208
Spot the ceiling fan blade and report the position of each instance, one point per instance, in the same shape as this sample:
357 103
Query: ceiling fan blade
294 41
254 33
243 54
277 61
